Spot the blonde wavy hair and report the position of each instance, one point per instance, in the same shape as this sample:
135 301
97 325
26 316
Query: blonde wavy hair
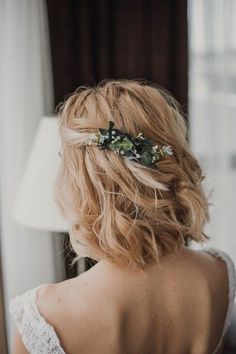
118 209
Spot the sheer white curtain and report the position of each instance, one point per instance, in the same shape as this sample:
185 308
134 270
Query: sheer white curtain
212 42
25 96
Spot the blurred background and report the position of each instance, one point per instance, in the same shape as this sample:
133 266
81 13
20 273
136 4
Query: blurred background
48 49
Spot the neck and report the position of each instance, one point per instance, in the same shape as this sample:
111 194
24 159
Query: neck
107 266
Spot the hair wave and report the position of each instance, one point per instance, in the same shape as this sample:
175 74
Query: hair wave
118 209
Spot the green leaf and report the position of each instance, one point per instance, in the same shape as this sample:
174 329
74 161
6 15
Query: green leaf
136 142
126 144
103 131
111 125
119 132
130 153
146 158
132 157
115 146
146 149
147 141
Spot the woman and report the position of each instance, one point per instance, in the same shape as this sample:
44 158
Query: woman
132 192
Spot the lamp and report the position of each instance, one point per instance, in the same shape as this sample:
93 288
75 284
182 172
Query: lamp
34 206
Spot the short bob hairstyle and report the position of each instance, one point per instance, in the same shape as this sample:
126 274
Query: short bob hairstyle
118 209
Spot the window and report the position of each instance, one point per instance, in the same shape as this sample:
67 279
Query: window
212 110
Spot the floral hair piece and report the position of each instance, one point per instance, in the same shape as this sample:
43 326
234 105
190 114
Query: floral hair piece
135 148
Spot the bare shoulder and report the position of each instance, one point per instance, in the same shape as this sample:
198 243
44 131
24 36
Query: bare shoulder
203 257
70 307
214 268
65 298
217 263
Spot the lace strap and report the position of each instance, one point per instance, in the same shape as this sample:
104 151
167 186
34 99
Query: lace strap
231 287
38 336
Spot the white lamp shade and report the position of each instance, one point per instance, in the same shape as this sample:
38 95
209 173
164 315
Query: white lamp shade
35 206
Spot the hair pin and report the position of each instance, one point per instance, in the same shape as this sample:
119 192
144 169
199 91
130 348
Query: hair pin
136 148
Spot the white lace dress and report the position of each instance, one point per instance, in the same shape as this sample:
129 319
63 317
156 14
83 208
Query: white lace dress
39 337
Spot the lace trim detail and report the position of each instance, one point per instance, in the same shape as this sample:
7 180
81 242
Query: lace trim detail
38 336
231 288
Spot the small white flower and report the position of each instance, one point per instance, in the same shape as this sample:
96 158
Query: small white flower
113 132
92 138
155 147
167 150
122 152
118 137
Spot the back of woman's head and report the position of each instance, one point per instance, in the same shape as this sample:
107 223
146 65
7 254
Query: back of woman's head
119 209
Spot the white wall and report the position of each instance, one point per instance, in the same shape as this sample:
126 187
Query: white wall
25 96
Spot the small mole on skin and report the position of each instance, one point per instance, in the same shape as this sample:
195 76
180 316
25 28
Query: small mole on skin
58 299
